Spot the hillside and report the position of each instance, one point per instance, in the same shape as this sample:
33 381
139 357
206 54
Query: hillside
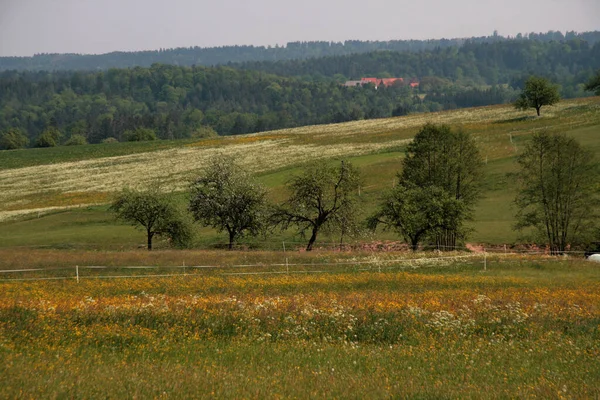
56 179
226 54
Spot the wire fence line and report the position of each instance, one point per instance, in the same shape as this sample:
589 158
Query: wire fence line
375 265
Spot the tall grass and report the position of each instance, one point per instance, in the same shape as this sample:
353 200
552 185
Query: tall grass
525 328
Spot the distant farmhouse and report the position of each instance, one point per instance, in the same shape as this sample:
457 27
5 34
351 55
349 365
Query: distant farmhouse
381 82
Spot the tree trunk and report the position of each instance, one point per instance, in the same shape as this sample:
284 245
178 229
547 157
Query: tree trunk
231 239
150 234
538 110
414 244
312 239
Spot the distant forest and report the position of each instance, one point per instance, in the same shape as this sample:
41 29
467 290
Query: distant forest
238 54
182 102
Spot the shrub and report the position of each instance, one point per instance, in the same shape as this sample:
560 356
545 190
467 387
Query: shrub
76 140
50 137
140 135
13 139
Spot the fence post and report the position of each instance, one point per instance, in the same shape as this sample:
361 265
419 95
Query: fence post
184 272
77 272
484 260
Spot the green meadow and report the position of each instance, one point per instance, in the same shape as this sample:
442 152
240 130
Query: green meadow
58 197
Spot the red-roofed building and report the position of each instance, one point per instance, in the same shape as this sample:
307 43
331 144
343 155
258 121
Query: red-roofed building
390 81
374 81
387 82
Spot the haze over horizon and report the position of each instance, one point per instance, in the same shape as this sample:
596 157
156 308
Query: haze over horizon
29 27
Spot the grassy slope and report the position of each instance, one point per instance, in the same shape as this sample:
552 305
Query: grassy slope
275 156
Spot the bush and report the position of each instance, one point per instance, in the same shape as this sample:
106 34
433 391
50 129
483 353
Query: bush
76 140
13 139
110 140
140 135
204 132
50 137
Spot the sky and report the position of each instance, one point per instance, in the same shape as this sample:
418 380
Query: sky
28 27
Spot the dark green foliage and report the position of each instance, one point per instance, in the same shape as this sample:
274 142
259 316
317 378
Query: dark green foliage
13 139
558 190
416 212
140 135
568 61
322 197
294 51
154 212
593 85
50 137
76 140
538 92
446 161
226 198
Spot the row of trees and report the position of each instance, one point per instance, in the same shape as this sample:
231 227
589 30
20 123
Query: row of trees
292 51
438 188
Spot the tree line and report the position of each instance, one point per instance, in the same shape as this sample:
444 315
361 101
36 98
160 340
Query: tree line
165 102
439 184
566 62
190 56
193 102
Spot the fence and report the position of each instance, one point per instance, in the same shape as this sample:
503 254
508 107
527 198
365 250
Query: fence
374 263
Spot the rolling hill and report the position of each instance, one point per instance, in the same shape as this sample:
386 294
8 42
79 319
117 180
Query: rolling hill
56 196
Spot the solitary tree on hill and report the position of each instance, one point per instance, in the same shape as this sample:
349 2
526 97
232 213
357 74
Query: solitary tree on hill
538 92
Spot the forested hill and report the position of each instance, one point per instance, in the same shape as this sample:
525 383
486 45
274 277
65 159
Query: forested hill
179 102
569 63
294 50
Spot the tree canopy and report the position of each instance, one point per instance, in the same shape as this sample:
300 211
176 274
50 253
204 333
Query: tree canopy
448 161
13 139
417 212
226 198
154 212
322 197
538 92
556 197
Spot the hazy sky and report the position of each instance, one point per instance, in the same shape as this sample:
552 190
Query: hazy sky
100 26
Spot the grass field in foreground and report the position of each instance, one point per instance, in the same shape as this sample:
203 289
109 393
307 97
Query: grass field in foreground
525 328
64 186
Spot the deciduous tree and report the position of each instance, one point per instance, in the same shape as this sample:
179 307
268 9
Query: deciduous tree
50 137
417 212
538 92
13 139
556 197
226 198
154 212
446 161
321 197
